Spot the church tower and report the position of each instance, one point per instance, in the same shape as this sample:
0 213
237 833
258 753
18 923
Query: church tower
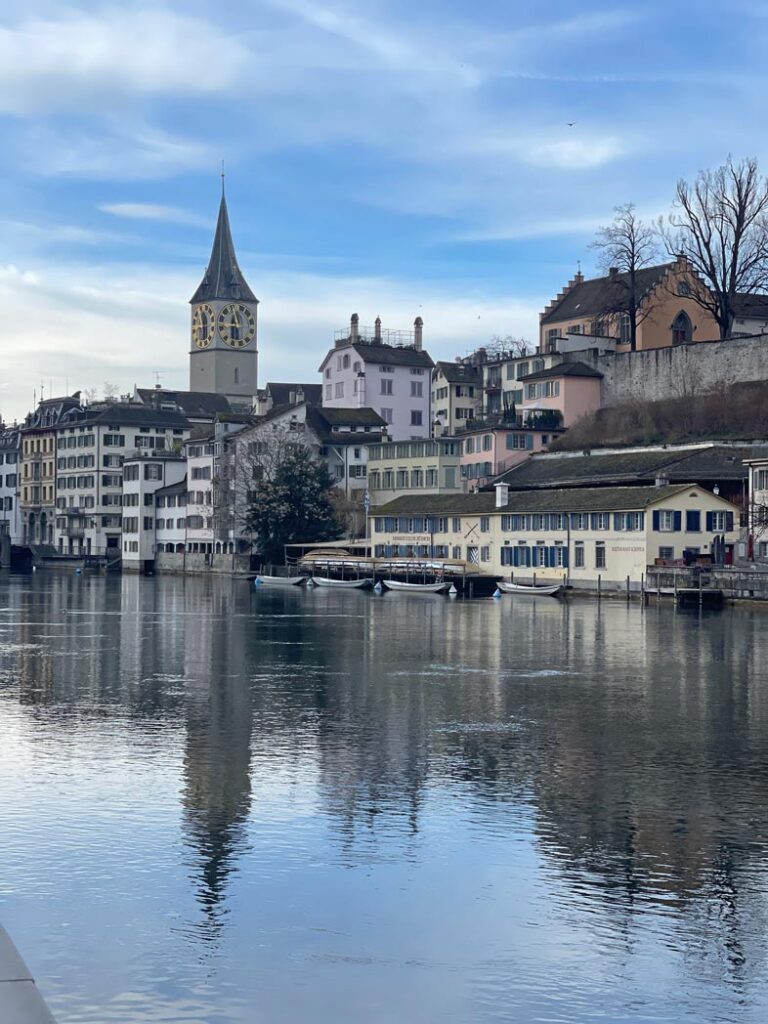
223 357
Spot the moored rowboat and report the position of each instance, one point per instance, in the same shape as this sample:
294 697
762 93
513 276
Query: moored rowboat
326 581
280 581
415 588
529 589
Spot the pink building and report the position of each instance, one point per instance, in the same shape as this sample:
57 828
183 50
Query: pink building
489 450
560 395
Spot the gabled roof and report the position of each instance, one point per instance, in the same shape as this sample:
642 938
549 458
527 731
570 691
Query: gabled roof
281 393
223 278
197 405
459 373
177 488
591 499
125 414
750 307
563 370
352 417
386 355
712 463
602 295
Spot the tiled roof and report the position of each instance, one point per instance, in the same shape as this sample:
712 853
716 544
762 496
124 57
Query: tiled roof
195 404
750 307
126 414
603 294
602 499
563 370
352 417
281 393
603 469
223 278
459 373
387 355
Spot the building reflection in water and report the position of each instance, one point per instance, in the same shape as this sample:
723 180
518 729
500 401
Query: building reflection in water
636 740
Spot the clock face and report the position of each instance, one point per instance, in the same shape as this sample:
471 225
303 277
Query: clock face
203 326
237 325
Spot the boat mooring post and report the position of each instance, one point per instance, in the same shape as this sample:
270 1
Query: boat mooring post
599 585
627 587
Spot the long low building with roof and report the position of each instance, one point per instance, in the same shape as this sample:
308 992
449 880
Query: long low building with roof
610 534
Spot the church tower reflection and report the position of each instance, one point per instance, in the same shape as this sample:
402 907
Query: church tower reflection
216 798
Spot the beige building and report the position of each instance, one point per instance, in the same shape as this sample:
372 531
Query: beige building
457 396
596 309
586 534
399 468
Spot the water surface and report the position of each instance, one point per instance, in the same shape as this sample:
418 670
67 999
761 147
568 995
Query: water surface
220 805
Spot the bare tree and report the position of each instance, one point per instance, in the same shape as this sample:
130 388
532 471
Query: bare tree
625 247
720 226
509 345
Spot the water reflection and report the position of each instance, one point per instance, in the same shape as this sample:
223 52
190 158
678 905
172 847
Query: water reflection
583 785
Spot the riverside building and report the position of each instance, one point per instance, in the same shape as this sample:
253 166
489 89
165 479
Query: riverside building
606 534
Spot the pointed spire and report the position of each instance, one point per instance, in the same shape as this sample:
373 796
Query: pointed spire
223 278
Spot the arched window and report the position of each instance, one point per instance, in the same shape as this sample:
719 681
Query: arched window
345 362
682 329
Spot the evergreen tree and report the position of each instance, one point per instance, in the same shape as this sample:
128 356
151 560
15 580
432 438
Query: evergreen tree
290 502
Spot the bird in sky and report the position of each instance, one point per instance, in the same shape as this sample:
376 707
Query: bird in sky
570 124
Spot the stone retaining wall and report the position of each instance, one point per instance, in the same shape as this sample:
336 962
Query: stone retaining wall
679 370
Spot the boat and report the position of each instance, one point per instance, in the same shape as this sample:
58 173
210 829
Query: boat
530 589
416 588
280 581
327 581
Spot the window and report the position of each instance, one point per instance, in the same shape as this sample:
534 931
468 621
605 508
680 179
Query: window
487 442
719 522
667 520
386 387
667 554
521 442
327 373
760 480
416 388
154 472
387 369
148 523
693 521
485 554
485 524
522 370
456 524
198 473
416 417
628 521
683 289
328 392
345 362
599 555
578 555
110 440
573 329
682 329
339 389
624 328
600 521
386 415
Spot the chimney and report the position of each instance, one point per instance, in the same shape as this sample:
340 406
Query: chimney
361 390
353 333
661 480
418 325
502 495
299 395
377 330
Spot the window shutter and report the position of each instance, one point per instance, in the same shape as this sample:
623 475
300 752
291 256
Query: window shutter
678 521
553 558
617 520
710 520
565 558
729 520
527 557
515 557
529 442
692 521
656 519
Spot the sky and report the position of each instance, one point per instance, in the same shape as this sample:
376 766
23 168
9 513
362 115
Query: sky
386 158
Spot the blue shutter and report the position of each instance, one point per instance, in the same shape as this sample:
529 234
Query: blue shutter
710 521
515 557
656 519
527 557
529 442
729 520
617 520
565 558
678 521
692 521
553 558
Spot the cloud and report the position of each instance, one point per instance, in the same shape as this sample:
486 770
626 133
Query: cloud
82 61
576 154
126 151
127 321
154 211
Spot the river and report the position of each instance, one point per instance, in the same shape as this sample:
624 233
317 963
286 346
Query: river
228 806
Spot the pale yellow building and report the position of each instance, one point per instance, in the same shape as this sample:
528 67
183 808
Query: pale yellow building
610 533
399 468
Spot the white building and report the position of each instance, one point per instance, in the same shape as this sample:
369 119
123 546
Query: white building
171 518
199 452
10 512
144 474
91 446
385 370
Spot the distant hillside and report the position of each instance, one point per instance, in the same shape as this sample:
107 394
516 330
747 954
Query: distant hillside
738 412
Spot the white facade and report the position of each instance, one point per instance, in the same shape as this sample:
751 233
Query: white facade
200 453
171 517
143 475
365 370
10 513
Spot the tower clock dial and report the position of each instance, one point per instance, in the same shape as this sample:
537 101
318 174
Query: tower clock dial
203 326
237 325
